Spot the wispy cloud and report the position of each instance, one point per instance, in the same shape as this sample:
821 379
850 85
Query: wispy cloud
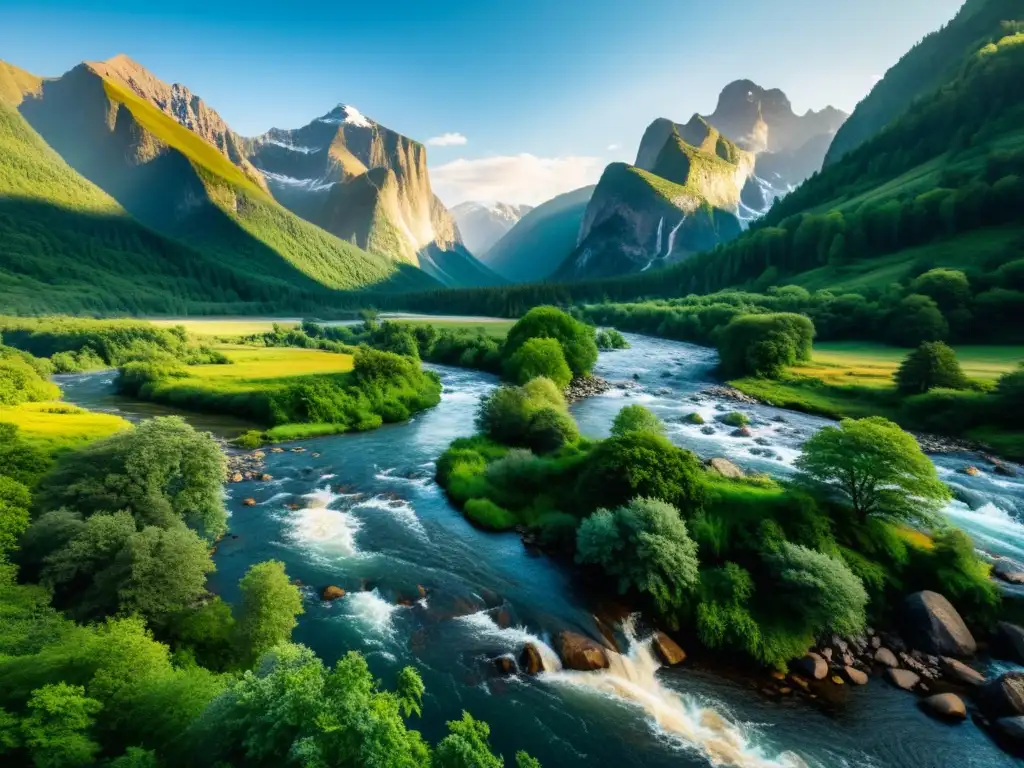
447 140
513 178
613 147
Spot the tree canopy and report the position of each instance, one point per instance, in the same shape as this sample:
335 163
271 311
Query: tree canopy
932 365
576 338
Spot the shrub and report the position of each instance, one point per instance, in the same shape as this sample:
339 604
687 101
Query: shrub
636 418
930 366
541 391
764 345
641 464
948 288
504 415
557 530
576 338
487 514
250 439
915 320
22 380
539 357
694 418
550 429
646 546
611 339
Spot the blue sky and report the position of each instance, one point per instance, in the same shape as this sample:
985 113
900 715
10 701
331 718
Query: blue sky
544 92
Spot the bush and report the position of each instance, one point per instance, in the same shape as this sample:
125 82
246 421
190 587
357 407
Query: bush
646 546
23 379
636 418
641 464
487 514
917 319
539 357
930 366
694 418
611 339
504 415
541 391
576 338
557 530
250 440
550 429
764 345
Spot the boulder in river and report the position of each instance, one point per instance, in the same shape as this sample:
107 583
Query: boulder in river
947 706
332 593
903 678
855 676
1008 571
1003 696
505 665
581 653
531 661
1008 642
959 673
812 665
1011 730
725 468
933 625
741 432
886 658
249 502
237 477
667 649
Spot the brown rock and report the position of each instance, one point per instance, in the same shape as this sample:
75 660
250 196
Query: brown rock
266 478
248 502
725 468
1008 642
505 665
855 676
799 682
903 678
531 661
668 650
298 449
1008 571
277 450
742 432
422 590
785 690
1003 696
811 665
237 477
886 658
581 653
947 706
972 471
332 593
932 624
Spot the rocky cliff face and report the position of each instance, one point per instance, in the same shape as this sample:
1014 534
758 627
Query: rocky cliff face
636 221
364 183
484 224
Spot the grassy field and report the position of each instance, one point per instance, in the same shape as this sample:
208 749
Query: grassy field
224 327
497 328
256 367
54 425
873 365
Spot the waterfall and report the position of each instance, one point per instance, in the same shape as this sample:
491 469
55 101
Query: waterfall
631 679
657 247
672 236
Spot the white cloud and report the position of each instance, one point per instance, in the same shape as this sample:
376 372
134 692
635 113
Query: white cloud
612 147
513 178
447 140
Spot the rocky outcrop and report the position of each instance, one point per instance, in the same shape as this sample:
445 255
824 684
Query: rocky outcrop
530 660
933 625
1008 571
331 593
585 386
1003 696
945 706
886 658
957 672
667 649
725 468
1008 642
581 653
812 665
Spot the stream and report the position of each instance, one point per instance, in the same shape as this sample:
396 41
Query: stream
426 588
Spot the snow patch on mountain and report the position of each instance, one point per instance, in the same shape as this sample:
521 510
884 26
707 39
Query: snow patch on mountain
312 185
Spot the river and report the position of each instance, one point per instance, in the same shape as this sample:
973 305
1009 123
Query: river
372 521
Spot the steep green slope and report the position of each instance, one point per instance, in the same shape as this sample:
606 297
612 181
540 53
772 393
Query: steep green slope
924 68
540 241
171 179
65 245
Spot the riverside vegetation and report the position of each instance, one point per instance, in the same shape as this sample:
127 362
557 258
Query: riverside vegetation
113 652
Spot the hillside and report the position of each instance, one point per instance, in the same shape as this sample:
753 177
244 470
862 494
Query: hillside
929 64
174 181
637 220
66 245
537 245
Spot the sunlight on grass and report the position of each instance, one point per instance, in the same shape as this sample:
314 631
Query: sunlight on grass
55 425
224 327
262 364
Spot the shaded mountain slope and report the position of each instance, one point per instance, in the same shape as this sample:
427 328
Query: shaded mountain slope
484 224
538 244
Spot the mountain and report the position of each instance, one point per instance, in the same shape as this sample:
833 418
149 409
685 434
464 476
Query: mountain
171 179
484 224
537 245
923 69
636 219
786 148
368 185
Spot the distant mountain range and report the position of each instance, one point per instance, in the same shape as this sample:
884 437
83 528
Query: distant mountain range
342 203
484 224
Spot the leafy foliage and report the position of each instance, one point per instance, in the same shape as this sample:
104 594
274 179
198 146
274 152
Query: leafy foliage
268 609
764 345
539 357
933 365
576 339
636 418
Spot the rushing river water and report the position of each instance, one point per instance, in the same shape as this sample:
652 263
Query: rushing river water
426 588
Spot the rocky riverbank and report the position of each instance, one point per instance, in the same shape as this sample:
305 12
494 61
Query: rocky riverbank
585 386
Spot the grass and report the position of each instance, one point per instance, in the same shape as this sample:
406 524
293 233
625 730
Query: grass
54 425
873 365
497 329
254 368
221 328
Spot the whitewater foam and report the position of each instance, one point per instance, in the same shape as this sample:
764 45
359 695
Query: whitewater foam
373 613
331 531
400 510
